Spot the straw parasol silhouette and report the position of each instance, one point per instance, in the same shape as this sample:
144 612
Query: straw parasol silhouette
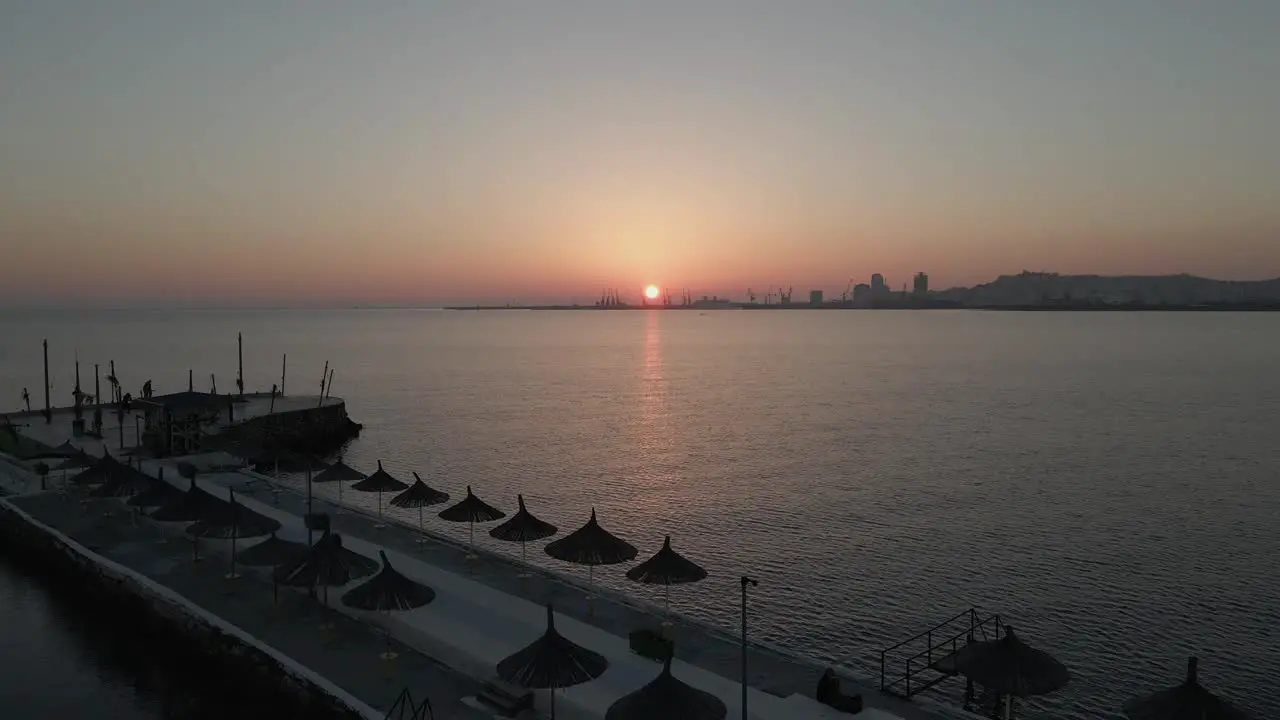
64 451
1189 700
233 522
386 592
471 509
523 528
1007 666
668 698
666 568
380 481
551 662
97 472
339 472
123 482
591 545
193 505
160 493
273 552
326 564
80 460
278 460
420 495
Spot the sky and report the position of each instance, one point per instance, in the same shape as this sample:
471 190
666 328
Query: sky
395 152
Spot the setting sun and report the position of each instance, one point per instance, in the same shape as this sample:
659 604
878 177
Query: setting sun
651 292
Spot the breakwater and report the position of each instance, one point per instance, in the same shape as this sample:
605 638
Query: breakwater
318 430
198 644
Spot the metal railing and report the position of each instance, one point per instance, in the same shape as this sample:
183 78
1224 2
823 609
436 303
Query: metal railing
404 708
916 655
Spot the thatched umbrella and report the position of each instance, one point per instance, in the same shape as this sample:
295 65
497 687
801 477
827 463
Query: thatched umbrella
420 495
160 493
273 552
65 450
124 481
339 472
1007 666
471 509
667 698
285 461
523 528
1188 700
97 472
380 481
591 545
234 522
80 460
666 568
327 563
193 505
550 662
386 592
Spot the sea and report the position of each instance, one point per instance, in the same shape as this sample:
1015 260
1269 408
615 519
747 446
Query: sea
1107 482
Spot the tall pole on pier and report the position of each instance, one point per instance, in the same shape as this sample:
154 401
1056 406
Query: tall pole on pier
97 396
745 581
48 409
240 352
76 393
191 380
284 370
324 381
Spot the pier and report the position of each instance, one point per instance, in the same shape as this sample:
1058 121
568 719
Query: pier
446 650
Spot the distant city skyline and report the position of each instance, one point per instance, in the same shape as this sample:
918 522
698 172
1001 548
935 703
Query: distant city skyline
325 153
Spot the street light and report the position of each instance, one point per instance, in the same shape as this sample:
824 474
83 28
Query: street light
745 581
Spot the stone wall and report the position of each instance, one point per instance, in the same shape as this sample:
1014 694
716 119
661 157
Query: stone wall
315 431
198 644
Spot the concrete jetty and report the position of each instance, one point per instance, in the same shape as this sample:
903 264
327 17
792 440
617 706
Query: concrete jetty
345 655
483 610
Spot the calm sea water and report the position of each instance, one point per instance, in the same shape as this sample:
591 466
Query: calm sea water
1106 482
59 661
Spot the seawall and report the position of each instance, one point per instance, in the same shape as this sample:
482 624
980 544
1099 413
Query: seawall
200 643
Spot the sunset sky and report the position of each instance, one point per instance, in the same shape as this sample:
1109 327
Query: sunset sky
330 151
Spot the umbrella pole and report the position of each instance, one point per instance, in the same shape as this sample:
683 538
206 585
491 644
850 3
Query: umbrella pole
1008 707
553 702
591 590
422 529
666 608
379 524
339 512
232 575
195 549
310 532
471 542
524 571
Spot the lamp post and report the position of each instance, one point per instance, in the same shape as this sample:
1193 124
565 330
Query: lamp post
745 581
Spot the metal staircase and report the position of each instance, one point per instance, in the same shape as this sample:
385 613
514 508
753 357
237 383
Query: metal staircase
906 669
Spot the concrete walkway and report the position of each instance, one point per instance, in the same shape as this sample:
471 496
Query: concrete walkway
772 671
347 655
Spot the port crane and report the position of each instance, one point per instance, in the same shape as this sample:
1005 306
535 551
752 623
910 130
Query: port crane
847 295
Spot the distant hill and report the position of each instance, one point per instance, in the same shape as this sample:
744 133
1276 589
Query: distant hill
1033 288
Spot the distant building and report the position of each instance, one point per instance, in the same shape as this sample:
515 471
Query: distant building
921 288
879 288
815 297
